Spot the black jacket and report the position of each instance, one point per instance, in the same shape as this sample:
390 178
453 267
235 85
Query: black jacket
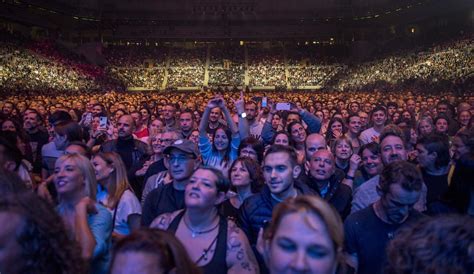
256 210
338 195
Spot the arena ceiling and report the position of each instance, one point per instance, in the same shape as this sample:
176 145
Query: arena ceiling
370 19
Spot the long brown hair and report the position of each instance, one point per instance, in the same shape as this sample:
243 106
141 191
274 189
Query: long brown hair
118 180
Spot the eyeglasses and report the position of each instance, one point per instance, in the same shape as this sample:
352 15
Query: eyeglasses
166 140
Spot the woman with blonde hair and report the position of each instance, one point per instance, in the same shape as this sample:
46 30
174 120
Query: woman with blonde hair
305 235
115 193
86 221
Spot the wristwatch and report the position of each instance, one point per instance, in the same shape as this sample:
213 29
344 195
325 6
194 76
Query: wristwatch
243 114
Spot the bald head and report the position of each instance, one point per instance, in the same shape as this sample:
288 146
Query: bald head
314 142
321 165
125 126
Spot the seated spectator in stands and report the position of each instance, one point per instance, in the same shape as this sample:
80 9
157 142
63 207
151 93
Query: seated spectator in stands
182 158
35 238
199 227
306 224
151 251
369 230
115 193
246 179
378 118
86 220
11 158
21 138
433 158
433 245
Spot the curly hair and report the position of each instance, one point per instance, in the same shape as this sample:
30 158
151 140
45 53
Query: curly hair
45 246
444 244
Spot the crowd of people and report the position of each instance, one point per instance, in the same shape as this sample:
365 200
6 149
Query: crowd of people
266 66
450 61
226 66
45 65
38 68
117 182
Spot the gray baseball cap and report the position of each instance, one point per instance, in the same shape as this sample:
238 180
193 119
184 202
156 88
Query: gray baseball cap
185 146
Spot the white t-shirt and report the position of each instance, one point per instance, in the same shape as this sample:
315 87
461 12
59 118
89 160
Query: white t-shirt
366 135
127 206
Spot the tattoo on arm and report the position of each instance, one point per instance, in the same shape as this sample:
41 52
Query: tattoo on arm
239 252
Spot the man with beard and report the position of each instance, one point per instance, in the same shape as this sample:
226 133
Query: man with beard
255 126
186 123
368 231
214 121
131 151
392 148
169 116
38 138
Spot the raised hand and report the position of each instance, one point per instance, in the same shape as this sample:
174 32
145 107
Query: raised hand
240 103
354 162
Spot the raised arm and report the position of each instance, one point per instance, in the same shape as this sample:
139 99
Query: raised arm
205 118
228 118
243 123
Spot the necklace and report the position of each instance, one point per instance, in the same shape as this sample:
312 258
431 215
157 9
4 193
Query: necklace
195 233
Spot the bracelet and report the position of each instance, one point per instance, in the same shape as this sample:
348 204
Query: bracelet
350 177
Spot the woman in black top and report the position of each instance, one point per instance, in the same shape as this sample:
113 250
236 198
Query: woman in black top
215 244
246 179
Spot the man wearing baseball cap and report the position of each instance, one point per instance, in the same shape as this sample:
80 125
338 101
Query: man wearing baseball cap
182 158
